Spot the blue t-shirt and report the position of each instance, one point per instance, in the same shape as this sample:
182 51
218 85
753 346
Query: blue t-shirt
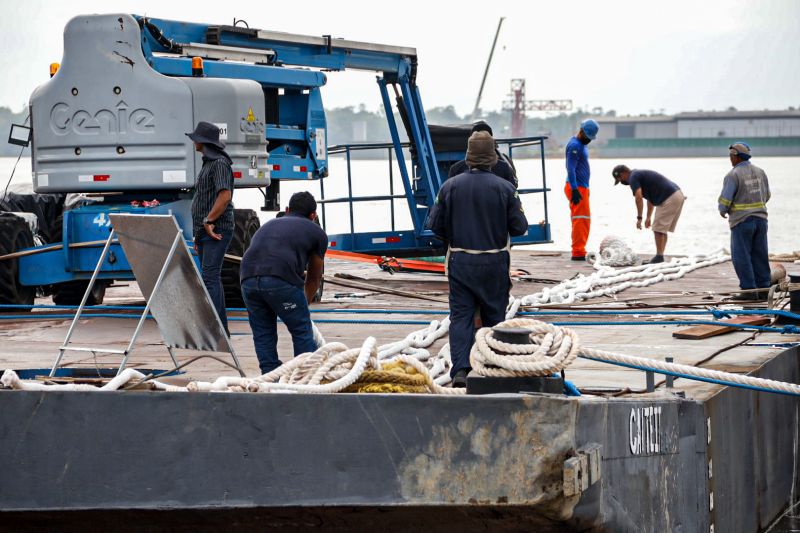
577 163
655 187
281 248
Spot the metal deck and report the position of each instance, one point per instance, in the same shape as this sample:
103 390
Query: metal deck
721 457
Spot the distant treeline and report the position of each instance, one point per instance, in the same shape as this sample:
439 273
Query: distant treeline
357 124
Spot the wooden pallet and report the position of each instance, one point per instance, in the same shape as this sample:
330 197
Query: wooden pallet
707 330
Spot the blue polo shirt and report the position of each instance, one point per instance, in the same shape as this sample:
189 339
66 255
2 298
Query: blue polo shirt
655 187
281 248
577 164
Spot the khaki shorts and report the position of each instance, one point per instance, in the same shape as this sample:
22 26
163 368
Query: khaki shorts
668 213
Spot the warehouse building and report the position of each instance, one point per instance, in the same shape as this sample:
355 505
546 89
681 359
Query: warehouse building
699 134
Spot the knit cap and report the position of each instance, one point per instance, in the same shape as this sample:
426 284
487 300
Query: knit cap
481 151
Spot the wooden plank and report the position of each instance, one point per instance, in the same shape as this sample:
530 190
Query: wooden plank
706 330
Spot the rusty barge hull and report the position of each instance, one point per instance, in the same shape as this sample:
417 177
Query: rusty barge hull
350 461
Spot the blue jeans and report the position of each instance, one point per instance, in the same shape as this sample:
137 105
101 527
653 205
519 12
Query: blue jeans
749 253
268 298
212 254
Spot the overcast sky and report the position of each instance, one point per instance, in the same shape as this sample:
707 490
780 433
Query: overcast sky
631 56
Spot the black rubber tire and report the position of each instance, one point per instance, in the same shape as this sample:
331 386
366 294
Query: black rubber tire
71 292
15 235
246 224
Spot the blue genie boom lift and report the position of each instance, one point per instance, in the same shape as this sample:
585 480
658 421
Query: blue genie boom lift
108 135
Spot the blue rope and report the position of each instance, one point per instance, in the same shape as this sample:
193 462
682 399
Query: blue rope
570 389
716 313
686 376
787 329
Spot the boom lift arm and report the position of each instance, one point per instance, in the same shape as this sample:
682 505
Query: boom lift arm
169 45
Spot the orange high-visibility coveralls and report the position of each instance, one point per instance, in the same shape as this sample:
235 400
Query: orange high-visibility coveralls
581 220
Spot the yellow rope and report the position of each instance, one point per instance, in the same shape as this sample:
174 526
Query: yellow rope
393 377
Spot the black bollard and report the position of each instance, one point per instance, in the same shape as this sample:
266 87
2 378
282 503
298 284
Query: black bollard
794 299
794 295
491 385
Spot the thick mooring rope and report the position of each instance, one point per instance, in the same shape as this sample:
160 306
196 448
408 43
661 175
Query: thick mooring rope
335 368
614 252
562 346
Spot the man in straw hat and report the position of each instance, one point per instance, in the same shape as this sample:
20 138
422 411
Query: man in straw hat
212 211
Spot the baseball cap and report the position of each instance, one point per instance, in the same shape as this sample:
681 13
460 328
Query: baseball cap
742 149
617 173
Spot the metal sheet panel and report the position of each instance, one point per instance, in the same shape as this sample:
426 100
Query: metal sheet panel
182 307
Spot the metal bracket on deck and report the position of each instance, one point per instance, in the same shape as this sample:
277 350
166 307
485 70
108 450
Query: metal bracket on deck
582 470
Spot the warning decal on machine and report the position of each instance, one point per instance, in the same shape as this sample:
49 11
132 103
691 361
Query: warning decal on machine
173 176
250 116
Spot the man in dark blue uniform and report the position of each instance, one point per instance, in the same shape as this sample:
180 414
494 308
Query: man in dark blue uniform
273 281
476 212
504 167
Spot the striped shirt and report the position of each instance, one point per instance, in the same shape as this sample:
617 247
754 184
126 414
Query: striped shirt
215 176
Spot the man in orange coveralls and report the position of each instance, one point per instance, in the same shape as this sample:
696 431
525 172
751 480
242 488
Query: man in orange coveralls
577 186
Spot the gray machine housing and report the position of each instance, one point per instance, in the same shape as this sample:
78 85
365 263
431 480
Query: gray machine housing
108 122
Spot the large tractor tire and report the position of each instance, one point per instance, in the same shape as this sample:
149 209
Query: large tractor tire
71 292
15 235
246 224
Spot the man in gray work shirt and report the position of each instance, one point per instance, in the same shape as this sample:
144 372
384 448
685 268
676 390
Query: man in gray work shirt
743 201
212 211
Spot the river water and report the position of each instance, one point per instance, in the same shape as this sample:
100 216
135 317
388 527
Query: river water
700 228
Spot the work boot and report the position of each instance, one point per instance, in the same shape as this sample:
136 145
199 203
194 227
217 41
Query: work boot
460 379
745 297
579 258
654 260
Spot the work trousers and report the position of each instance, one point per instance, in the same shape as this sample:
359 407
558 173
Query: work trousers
267 298
212 253
581 220
750 253
477 283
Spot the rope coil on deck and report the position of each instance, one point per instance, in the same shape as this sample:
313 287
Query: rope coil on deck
336 368
553 348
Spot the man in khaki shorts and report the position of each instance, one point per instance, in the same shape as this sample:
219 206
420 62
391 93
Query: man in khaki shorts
660 193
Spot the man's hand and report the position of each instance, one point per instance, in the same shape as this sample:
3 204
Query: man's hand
576 197
210 232
647 223
638 223
724 215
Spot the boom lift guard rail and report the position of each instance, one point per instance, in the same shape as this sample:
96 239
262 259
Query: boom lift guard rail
397 67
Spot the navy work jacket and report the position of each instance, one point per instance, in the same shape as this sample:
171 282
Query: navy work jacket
477 210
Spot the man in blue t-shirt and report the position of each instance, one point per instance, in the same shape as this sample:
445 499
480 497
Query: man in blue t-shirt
659 192
280 274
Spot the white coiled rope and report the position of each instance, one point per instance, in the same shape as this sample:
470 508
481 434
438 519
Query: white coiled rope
551 350
340 367
614 252
334 367
607 281
556 347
